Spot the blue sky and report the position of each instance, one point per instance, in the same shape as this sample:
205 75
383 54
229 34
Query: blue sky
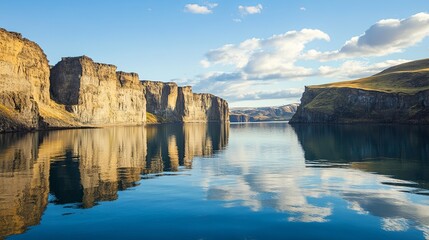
252 53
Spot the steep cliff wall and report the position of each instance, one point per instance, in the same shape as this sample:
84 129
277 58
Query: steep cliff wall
396 95
178 104
348 105
96 93
239 117
24 81
78 92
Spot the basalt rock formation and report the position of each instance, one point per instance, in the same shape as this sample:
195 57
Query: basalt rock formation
77 92
396 95
171 103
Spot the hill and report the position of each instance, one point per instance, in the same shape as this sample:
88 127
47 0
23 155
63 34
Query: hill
399 94
281 113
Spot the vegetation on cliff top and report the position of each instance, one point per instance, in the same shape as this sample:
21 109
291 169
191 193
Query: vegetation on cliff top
407 78
399 94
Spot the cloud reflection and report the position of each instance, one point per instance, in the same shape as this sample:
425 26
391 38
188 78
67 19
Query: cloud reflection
258 175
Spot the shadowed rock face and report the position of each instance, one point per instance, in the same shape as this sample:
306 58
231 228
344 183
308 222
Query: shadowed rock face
239 117
96 93
348 105
396 95
178 104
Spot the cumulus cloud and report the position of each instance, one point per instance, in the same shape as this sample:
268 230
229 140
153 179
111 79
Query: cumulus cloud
385 37
200 9
285 57
302 9
246 10
281 94
269 58
352 69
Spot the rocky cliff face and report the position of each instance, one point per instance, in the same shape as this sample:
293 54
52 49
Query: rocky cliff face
78 92
239 117
348 105
396 95
178 104
24 81
282 113
96 93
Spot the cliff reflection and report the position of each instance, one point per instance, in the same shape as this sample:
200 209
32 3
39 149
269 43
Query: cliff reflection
24 183
170 146
86 166
398 151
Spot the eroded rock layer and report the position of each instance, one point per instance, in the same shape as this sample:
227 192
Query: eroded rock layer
79 92
171 103
96 93
24 81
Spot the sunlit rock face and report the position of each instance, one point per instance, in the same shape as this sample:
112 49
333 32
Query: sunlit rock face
178 104
24 183
79 92
24 81
96 93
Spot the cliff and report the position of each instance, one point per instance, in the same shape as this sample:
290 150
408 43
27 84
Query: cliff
24 81
238 117
282 113
171 103
96 93
396 95
78 92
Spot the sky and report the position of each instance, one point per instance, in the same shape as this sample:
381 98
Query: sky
251 53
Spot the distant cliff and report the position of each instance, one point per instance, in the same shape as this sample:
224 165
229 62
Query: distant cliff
396 95
78 92
170 103
282 113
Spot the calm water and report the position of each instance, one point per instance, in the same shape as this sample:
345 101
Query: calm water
197 181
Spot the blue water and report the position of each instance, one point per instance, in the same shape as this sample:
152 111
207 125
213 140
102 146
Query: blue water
198 181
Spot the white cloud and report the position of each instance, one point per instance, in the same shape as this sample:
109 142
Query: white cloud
280 94
302 9
246 10
269 58
200 9
284 57
385 37
357 69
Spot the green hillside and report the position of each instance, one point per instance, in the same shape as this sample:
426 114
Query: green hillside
409 78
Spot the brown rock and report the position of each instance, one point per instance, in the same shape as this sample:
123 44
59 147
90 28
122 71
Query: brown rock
178 104
96 93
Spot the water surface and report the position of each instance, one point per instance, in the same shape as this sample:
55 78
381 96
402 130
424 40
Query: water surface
210 181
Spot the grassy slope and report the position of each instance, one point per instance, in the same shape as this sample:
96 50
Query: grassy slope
409 78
